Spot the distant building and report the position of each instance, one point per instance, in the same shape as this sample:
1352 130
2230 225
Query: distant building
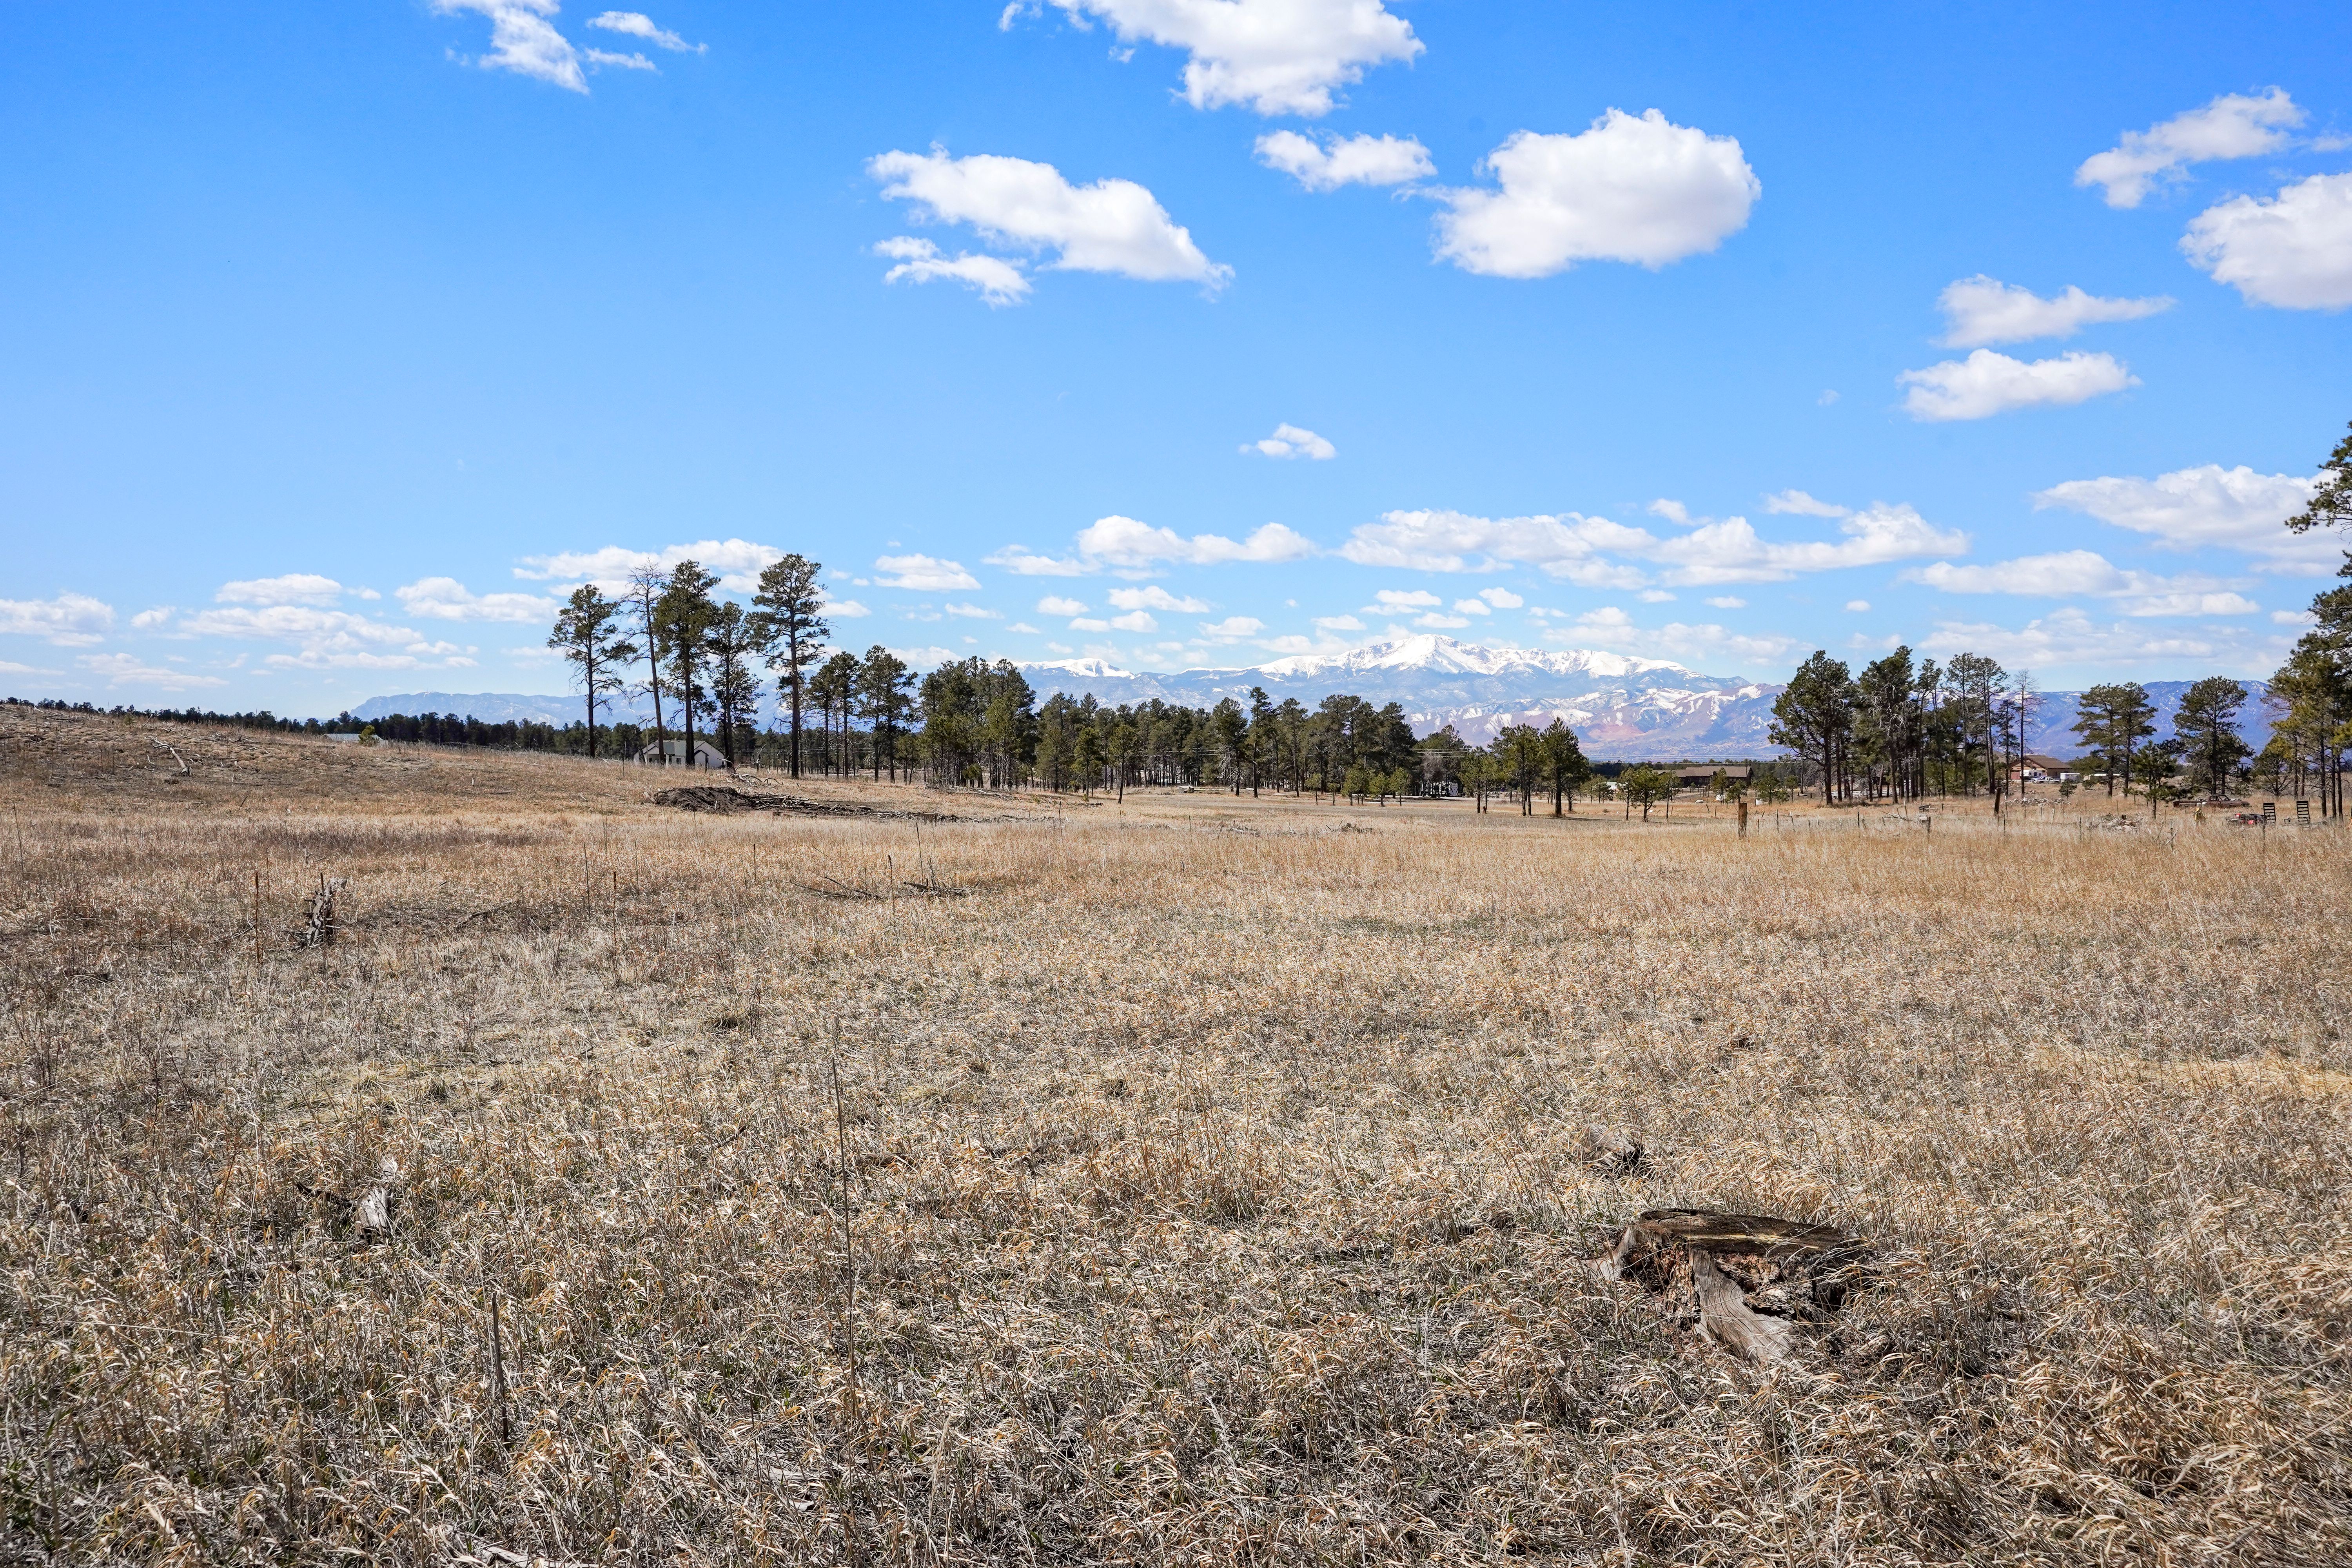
2035 768
1701 778
672 753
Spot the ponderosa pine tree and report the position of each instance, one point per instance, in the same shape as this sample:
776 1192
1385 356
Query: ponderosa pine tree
646 586
684 614
834 690
2111 720
884 700
2331 505
2206 730
730 644
792 625
1977 685
584 635
2311 699
1645 786
1813 716
1565 762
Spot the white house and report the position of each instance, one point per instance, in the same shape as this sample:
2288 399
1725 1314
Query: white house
672 753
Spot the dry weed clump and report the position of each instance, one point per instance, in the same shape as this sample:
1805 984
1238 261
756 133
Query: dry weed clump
1179 1194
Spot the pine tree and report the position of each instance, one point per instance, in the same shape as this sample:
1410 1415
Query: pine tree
834 690
2111 720
583 633
730 642
1645 786
1813 716
2331 506
793 628
1977 685
2311 697
646 586
2206 729
684 614
883 698
1564 760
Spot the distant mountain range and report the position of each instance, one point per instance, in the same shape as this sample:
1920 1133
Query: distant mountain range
1624 708
1618 705
501 706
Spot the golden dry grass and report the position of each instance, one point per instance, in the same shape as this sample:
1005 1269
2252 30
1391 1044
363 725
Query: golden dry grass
1220 1180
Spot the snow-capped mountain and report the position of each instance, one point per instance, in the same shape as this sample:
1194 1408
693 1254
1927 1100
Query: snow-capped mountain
1622 708
1619 705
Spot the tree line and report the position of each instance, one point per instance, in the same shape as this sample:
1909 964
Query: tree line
1901 731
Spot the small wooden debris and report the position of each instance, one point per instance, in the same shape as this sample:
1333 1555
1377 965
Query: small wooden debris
1724 1317
372 1213
1614 1153
320 931
1752 1283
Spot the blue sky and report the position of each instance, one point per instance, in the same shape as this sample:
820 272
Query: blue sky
336 341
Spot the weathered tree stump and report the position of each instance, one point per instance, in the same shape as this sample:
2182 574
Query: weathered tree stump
1749 1282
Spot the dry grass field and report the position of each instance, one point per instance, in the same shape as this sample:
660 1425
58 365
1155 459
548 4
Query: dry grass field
1188 1181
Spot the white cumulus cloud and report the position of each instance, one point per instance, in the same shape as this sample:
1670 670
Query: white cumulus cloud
1610 627
2086 574
1054 605
2294 251
738 561
1132 549
2235 125
68 620
1233 628
924 573
523 40
1156 597
1134 621
1290 441
2193 509
326 639
293 588
1334 161
127 670
1000 282
1982 310
1641 190
1393 600
1576 548
446 599
2068 636
1986 383
1799 503
1279 56
637 25
1111 225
